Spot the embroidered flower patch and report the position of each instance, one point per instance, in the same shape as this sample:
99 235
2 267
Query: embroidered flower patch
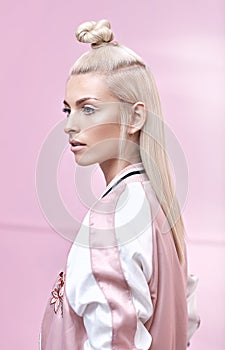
57 293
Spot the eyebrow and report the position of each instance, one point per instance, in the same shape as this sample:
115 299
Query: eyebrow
81 100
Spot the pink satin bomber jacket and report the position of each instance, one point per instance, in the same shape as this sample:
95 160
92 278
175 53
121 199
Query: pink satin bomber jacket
123 287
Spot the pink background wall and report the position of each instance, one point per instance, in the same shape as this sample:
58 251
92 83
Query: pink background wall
183 42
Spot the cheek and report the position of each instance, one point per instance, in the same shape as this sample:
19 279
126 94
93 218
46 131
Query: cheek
102 132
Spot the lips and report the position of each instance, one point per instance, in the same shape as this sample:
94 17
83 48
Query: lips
76 143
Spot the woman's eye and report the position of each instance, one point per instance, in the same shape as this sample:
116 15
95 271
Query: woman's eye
67 111
87 109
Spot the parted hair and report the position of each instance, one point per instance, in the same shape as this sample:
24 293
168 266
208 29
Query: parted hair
130 80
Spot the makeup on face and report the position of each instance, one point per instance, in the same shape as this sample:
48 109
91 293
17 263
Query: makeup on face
93 122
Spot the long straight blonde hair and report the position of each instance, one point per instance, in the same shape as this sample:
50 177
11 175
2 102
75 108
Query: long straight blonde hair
130 81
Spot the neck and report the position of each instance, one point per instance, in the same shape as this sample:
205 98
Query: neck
112 167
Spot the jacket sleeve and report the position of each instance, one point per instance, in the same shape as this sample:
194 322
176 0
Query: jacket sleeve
108 274
193 316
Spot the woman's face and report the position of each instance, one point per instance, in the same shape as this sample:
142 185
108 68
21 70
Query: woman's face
93 119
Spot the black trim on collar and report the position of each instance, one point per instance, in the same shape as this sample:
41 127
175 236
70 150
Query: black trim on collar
122 178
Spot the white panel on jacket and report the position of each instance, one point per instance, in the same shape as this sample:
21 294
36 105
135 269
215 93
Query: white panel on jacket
193 316
84 294
133 231
134 235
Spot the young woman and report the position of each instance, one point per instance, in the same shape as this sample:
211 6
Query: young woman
125 284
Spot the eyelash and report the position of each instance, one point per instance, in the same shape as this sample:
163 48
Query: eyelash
84 109
67 111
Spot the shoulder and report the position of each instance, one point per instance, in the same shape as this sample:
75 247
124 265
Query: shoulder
124 215
125 212
125 201
126 195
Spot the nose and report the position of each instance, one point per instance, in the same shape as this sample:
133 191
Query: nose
71 125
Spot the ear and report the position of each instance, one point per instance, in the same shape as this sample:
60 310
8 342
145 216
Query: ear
138 118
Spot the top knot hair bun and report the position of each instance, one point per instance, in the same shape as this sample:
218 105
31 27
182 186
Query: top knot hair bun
95 33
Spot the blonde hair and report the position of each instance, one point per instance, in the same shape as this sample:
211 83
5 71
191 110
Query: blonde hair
130 80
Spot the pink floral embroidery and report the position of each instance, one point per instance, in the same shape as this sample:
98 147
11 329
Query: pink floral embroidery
57 293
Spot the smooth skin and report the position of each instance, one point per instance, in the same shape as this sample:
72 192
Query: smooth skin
94 120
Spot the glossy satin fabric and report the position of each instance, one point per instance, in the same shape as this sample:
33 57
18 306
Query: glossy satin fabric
108 272
167 287
59 333
124 289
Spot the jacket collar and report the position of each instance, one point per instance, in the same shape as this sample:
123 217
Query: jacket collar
124 172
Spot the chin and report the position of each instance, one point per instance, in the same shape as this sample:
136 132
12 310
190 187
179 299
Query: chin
85 161
90 158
